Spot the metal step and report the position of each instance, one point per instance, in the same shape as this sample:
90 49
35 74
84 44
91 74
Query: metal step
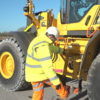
75 83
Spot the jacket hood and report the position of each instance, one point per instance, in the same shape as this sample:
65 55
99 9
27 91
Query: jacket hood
42 35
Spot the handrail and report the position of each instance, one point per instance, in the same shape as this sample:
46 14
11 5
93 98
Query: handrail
92 33
62 39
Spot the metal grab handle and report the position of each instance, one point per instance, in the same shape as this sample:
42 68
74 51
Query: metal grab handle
62 39
92 33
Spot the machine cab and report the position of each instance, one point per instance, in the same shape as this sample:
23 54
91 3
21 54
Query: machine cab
76 14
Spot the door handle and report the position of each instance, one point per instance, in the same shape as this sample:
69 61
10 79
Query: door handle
87 20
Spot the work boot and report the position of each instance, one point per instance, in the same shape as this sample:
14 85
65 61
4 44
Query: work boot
71 90
58 98
68 88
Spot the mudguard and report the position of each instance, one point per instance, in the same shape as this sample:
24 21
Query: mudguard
91 51
24 39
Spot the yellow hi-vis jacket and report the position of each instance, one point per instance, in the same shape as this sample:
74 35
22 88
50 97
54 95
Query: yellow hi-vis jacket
39 64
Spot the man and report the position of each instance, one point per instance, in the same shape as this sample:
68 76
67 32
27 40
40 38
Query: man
39 66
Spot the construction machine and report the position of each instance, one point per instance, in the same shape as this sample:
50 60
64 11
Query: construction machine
79 24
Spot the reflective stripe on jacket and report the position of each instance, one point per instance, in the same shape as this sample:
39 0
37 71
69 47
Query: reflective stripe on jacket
39 64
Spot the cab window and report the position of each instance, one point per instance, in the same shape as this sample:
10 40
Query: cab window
63 10
79 8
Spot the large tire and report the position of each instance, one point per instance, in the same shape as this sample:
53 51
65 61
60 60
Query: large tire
93 80
17 81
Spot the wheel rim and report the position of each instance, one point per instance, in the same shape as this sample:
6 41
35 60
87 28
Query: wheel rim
7 65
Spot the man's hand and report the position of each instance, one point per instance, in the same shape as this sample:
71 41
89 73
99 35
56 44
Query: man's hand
58 87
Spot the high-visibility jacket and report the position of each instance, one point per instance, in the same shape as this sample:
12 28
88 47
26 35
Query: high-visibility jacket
39 64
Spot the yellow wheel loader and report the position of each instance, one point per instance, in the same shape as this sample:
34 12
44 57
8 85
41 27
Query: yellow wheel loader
79 24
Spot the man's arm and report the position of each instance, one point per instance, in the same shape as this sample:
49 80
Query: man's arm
55 49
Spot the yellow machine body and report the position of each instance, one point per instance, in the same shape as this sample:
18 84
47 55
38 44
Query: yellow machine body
46 20
75 46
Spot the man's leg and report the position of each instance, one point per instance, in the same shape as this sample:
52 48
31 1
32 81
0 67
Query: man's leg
63 92
38 90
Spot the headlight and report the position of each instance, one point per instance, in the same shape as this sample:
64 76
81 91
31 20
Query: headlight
26 9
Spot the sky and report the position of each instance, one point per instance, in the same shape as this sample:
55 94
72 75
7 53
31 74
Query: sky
12 15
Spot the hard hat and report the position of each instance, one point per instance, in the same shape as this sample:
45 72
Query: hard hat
53 31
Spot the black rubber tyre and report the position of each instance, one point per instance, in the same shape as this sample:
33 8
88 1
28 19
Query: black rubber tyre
17 81
93 80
